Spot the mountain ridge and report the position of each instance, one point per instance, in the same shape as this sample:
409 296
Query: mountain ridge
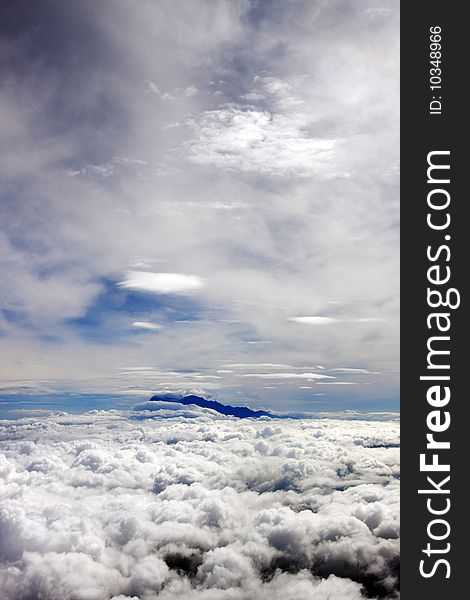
242 412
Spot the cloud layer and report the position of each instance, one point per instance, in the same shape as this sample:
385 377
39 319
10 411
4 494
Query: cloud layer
215 168
115 505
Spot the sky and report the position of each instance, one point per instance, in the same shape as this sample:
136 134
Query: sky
200 196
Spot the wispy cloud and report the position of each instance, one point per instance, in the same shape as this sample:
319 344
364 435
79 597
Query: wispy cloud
186 92
162 283
257 365
316 320
258 141
349 370
287 376
337 383
146 325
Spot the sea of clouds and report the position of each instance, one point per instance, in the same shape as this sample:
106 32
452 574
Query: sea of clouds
193 505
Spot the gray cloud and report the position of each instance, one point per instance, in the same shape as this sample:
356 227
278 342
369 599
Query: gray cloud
280 193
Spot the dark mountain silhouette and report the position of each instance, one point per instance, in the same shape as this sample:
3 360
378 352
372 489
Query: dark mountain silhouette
242 412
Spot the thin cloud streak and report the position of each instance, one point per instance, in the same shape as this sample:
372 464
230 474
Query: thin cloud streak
146 325
162 283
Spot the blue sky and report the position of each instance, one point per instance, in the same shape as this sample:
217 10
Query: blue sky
201 197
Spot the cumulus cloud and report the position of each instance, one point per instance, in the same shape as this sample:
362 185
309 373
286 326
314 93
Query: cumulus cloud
195 505
162 283
258 141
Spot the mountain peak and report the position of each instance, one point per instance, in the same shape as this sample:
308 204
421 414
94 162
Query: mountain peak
242 412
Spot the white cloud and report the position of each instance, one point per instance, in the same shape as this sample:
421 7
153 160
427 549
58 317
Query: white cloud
337 383
313 320
189 91
318 320
368 320
273 85
287 375
146 325
257 141
253 95
349 370
102 505
186 92
257 365
162 283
